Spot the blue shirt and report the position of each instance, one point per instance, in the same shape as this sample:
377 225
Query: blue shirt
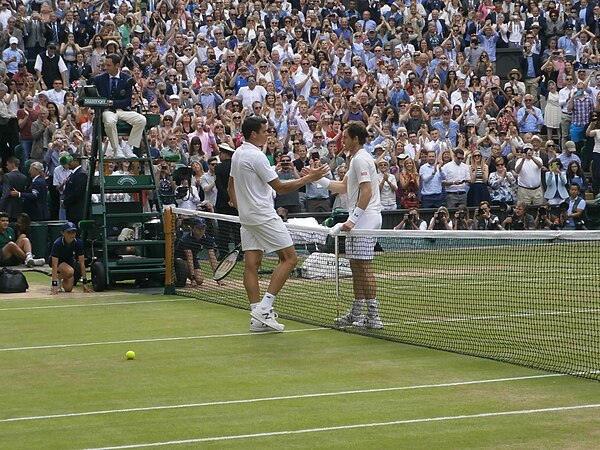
489 44
449 131
431 182
68 253
531 124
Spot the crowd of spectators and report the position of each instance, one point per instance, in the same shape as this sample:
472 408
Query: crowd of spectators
445 130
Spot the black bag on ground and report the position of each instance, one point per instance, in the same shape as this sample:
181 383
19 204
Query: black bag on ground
12 281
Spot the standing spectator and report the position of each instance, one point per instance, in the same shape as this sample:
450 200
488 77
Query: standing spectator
290 201
35 198
529 171
12 180
564 97
13 56
479 174
530 64
593 131
387 186
50 66
581 106
251 93
556 184
9 131
529 117
501 183
432 194
456 179
208 181
74 193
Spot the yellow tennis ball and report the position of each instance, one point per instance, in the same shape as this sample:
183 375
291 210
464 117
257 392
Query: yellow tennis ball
130 354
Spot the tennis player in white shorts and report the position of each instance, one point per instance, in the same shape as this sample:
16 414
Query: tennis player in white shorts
362 186
251 183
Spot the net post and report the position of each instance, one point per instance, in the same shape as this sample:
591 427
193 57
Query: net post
169 230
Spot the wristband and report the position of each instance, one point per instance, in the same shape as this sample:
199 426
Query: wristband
54 283
356 215
84 281
323 182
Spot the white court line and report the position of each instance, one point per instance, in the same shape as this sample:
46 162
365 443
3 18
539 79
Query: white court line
354 426
495 316
285 397
84 305
131 341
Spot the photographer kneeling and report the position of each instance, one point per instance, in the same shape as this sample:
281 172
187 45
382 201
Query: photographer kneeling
411 221
441 220
483 219
518 219
462 221
543 219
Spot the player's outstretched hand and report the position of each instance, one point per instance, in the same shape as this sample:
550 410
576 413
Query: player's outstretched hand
316 170
347 226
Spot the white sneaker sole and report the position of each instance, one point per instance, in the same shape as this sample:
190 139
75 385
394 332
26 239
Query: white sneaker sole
269 322
258 327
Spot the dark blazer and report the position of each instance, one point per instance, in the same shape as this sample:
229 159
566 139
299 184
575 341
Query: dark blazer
445 31
74 195
122 97
13 206
537 64
36 200
75 74
540 20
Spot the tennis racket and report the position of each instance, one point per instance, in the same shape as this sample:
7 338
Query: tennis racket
227 264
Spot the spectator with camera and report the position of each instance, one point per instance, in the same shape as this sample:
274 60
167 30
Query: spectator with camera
440 220
462 221
412 221
556 184
529 171
543 219
518 218
483 219
574 216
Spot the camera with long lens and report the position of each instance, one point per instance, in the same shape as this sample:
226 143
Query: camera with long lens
461 215
181 192
480 211
412 216
519 225
542 211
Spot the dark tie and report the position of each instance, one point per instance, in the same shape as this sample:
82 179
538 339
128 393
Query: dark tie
55 32
113 86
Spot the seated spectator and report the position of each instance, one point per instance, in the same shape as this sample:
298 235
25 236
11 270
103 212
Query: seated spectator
188 247
483 219
518 218
15 250
412 221
440 220
575 213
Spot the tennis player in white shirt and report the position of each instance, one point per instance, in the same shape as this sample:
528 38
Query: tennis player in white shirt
262 230
362 185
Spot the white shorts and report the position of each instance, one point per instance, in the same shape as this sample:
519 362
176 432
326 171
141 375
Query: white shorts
268 237
363 247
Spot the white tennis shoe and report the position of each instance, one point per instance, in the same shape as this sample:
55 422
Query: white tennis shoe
369 321
348 319
267 317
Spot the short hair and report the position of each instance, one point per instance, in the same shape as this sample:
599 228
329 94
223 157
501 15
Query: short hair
14 160
459 151
3 215
252 124
357 130
37 166
573 183
211 159
116 59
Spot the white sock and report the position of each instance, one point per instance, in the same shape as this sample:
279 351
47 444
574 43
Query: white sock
372 306
357 307
253 306
28 255
267 301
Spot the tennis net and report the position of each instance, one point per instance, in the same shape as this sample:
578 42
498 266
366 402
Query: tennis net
527 298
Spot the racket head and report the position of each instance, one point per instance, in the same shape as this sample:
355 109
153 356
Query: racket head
226 265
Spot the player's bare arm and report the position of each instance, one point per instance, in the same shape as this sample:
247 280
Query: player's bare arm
231 192
312 174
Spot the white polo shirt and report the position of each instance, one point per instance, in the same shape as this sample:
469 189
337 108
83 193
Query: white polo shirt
362 169
252 174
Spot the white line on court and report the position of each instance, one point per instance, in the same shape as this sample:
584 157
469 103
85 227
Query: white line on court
285 397
355 426
131 341
85 305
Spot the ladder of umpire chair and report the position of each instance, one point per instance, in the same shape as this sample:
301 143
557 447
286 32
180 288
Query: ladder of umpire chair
121 201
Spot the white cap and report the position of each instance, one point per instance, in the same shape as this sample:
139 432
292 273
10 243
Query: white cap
13 40
174 97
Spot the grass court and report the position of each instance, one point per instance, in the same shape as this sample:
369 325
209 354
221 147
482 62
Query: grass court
201 380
